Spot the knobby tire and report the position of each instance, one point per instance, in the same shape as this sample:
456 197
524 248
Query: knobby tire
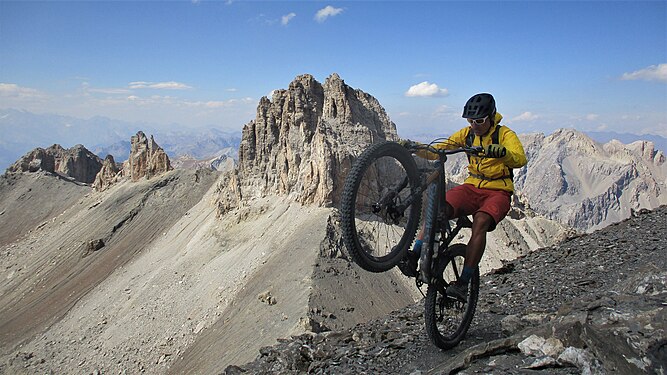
447 320
377 239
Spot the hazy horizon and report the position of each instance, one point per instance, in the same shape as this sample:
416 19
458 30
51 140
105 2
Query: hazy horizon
105 133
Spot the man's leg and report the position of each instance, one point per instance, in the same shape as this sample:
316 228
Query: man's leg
475 249
494 207
481 224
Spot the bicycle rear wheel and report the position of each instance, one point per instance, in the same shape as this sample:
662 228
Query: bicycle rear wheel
447 319
380 206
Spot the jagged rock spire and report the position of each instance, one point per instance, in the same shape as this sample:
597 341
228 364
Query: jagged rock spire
147 159
108 175
302 140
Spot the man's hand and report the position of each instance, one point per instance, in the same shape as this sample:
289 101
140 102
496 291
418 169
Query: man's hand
495 151
406 143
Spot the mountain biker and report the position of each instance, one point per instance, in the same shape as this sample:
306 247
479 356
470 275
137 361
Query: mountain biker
487 191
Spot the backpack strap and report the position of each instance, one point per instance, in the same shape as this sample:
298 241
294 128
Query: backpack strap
470 137
495 139
496 135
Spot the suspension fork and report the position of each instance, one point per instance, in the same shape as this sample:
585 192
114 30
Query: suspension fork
435 195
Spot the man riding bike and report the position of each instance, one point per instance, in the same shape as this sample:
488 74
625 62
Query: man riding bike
486 192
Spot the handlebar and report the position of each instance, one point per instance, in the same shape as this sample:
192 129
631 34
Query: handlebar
414 146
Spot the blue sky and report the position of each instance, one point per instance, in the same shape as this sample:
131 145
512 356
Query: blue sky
591 65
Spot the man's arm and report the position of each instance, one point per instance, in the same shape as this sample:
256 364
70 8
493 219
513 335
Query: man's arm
515 157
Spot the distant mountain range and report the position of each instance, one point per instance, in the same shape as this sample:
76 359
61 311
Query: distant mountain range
23 131
198 144
604 137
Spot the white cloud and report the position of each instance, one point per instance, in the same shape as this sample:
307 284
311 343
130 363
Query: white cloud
287 18
651 73
107 90
212 104
327 12
219 103
592 116
426 89
632 117
12 90
128 104
171 85
526 116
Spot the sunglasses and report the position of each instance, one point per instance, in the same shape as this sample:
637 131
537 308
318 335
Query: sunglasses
477 121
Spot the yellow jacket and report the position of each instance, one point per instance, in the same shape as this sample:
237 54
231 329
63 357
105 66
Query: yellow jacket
484 172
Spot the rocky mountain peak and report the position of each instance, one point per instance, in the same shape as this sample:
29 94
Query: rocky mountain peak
587 185
302 140
644 150
109 174
147 158
76 162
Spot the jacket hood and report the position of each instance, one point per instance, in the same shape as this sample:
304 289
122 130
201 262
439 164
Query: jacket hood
498 118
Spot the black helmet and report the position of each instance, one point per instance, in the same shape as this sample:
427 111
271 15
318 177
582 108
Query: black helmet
479 106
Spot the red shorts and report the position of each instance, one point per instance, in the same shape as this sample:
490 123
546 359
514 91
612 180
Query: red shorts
466 199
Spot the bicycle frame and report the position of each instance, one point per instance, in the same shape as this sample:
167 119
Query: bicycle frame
438 233
433 208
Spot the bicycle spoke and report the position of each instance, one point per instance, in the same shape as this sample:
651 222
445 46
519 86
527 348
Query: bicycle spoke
376 221
376 228
447 319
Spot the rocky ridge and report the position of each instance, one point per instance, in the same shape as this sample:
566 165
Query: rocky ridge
592 304
76 162
587 185
227 283
146 160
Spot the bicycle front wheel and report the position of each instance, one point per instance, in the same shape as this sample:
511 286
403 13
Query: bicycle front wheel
448 319
380 206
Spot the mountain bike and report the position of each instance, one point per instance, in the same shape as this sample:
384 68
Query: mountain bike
380 212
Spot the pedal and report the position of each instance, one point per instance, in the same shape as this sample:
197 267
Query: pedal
408 265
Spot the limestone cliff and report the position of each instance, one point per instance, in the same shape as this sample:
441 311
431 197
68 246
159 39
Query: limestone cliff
108 175
76 162
587 185
147 159
302 142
